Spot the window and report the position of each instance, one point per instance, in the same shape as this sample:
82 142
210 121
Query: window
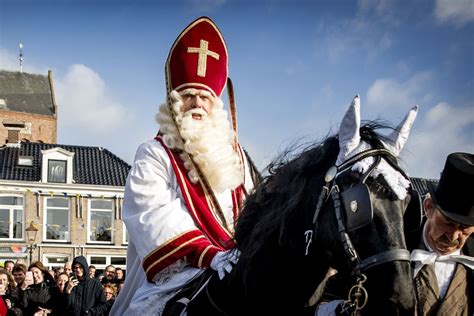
101 261
57 165
11 217
125 234
55 260
98 261
57 219
25 161
101 220
57 171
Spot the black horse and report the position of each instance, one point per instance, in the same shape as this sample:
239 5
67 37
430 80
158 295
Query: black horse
307 216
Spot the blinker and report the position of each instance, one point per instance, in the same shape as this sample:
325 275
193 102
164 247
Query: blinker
357 206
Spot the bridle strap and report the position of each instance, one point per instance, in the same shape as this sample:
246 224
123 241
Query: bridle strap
362 155
346 240
384 257
334 192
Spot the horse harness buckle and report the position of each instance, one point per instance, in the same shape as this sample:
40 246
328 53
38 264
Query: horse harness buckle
357 298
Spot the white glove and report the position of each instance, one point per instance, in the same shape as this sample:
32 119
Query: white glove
328 309
223 260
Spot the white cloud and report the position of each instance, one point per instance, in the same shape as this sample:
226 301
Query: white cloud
386 11
349 37
443 130
84 104
388 95
438 130
457 12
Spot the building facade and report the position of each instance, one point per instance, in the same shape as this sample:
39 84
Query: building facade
72 196
28 110
66 198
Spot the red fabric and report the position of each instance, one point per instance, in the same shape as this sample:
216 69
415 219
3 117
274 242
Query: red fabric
198 247
3 307
198 206
193 246
198 59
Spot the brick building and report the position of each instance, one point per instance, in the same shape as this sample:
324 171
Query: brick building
28 108
72 195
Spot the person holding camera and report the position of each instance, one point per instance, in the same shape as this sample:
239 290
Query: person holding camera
84 295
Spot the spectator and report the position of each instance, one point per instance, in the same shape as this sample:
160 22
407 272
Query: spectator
8 265
92 270
119 275
61 281
84 295
40 295
68 267
9 294
20 261
110 292
19 272
109 275
57 272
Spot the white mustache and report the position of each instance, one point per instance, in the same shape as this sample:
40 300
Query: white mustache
195 111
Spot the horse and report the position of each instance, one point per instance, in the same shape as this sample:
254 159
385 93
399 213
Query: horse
314 211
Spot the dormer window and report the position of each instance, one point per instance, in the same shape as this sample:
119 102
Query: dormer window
57 165
57 171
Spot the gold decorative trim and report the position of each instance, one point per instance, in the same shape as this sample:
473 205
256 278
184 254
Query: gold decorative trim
169 254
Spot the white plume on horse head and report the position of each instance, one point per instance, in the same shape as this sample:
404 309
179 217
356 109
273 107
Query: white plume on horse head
350 144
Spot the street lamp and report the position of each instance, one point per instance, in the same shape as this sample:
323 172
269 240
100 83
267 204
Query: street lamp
31 232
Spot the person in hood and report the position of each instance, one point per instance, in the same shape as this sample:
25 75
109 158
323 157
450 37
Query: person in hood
85 296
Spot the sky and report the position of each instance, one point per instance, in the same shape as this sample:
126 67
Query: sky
296 66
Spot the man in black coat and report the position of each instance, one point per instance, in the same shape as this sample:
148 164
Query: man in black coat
443 247
85 296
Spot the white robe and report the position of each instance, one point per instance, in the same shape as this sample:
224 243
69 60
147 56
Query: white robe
153 210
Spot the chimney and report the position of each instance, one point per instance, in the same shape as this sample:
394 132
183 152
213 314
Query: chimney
13 132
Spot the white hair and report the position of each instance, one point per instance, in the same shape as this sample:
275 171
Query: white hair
209 141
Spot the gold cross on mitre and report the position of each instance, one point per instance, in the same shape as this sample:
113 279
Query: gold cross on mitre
203 52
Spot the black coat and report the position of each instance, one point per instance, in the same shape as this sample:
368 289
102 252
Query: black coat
88 296
44 295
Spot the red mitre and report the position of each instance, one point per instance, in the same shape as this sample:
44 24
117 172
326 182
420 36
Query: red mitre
198 59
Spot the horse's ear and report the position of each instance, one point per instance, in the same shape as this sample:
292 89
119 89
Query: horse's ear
397 139
349 136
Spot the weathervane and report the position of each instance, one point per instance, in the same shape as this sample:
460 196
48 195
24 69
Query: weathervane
21 57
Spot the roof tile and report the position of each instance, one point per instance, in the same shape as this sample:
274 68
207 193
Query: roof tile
91 165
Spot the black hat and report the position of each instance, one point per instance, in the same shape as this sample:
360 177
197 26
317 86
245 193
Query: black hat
455 191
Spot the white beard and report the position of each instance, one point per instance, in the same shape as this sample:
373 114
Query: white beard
209 141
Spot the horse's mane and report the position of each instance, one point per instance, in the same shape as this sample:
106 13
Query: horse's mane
269 211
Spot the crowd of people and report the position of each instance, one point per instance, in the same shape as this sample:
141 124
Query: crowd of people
73 289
